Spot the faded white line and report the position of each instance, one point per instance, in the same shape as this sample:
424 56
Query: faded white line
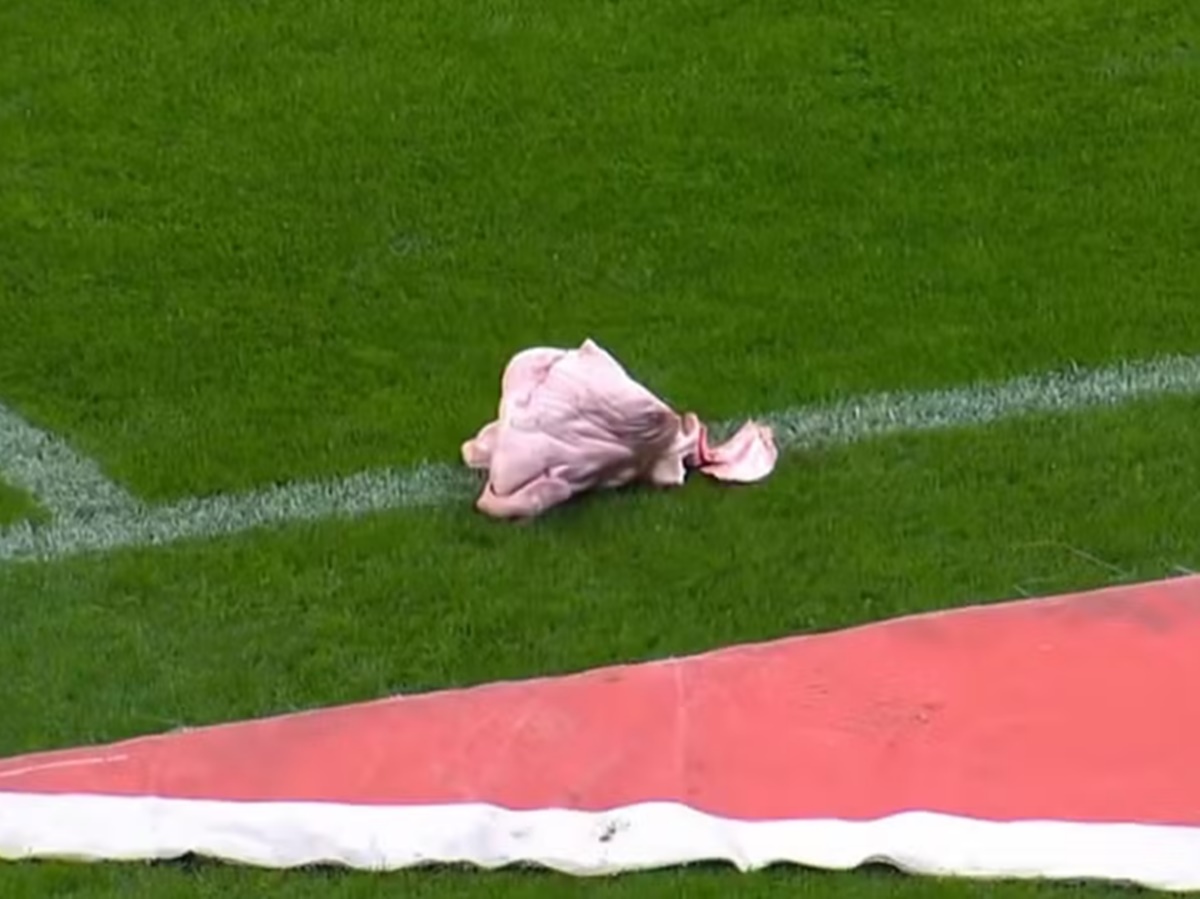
880 414
66 484
206 517
67 763
111 519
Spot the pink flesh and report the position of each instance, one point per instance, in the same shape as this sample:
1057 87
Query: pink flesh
574 420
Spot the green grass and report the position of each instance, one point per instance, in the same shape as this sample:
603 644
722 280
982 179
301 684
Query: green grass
333 613
16 505
248 242
704 882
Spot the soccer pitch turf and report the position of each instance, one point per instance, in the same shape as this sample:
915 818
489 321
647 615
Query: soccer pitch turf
247 243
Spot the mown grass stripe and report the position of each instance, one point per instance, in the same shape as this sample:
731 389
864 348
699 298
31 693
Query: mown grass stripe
103 517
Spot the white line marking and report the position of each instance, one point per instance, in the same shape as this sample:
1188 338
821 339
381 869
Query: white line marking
66 763
205 517
880 414
64 483
103 517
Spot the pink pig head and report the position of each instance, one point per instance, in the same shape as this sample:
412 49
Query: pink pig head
574 420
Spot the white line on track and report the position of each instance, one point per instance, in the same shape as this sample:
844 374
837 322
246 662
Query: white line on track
90 513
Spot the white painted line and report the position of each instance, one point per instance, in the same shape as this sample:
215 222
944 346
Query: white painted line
63 482
110 519
877 415
67 763
206 517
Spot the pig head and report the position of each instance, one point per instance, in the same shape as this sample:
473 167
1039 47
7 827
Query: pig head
574 420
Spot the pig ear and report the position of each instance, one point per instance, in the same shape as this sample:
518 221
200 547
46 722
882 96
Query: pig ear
477 452
749 455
